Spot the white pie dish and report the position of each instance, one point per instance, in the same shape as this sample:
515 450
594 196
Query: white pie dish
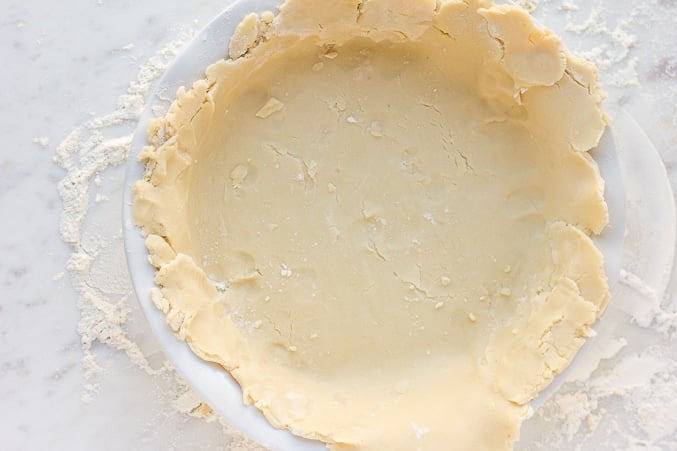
214 384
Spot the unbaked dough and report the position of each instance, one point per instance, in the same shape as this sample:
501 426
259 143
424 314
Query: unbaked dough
376 215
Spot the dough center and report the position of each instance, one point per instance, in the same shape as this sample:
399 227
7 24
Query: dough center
377 218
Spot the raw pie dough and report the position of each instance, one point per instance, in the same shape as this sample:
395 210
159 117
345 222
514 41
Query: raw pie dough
376 216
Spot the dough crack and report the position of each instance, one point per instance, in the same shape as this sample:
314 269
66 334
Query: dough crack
360 11
580 83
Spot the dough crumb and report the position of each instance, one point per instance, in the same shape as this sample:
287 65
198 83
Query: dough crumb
311 169
419 431
245 36
376 130
338 105
267 17
238 175
272 106
285 271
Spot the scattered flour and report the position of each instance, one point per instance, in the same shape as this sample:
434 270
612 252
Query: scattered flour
529 5
41 141
92 156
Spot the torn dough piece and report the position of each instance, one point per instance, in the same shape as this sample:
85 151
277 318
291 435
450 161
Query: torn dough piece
376 216
271 106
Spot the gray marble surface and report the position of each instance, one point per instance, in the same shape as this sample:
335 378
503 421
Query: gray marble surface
65 63
61 66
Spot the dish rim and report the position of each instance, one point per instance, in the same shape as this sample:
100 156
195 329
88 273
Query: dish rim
212 382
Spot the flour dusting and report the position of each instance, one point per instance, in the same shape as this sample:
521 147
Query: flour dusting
91 192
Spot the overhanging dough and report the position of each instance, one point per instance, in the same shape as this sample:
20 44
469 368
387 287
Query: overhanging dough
376 215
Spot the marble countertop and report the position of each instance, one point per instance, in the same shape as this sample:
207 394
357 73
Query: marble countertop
77 376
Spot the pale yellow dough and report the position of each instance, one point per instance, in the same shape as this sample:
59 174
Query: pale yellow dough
376 215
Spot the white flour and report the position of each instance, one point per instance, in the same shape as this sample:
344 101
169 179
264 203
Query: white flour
87 154
623 395
91 223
